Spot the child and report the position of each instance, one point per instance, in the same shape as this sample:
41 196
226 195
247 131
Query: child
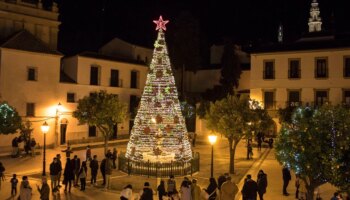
14 182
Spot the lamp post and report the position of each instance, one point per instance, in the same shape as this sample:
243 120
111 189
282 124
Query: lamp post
44 128
212 139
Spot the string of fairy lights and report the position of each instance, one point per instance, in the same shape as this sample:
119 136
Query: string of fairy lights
159 133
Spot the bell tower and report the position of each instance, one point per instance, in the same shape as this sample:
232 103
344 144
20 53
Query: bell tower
315 21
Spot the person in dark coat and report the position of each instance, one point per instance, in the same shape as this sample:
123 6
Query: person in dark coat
161 190
54 171
262 184
15 151
44 190
221 180
103 170
286 178
211 189
68 175
250 189
94 169
114 157
147 192
76 168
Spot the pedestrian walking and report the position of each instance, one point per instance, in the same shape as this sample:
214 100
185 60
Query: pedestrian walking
114 157
2 175
44 190
228 190
103 170
54 170
262 184
161 190
185 191
68 175
15 151
14 182
171 183
82 175
88 153
59 163
286 178
32 146
94 170
76 168
211 189
147 192
126 193
250 189
108 172
68 151
195 190
25 191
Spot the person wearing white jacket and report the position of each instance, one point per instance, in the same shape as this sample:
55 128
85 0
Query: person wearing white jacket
126 193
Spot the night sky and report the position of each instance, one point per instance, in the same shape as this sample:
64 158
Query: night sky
87 24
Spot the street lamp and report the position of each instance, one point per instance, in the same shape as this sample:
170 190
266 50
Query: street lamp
212 139
44 128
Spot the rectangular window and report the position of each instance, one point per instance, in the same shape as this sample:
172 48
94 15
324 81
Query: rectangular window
346 97
32 74
30 111
70 97
94 75
269 70
133 79
347 67
294 98
269 100
321 97
114 78
92 131
321 70
134 102
294 69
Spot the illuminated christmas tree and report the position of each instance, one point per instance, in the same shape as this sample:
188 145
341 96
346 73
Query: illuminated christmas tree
159 133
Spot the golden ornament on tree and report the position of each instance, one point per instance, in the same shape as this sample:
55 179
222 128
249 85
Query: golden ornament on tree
147 130
159 119
159 74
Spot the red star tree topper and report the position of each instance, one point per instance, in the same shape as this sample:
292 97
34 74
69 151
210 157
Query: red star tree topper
161 23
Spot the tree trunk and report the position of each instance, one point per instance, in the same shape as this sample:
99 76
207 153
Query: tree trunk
310 192
232 149
106 143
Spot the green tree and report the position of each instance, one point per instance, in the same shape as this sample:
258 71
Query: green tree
10 121
315 143
102 110
230 68
230 117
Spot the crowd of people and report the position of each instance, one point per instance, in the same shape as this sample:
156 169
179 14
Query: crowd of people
29 146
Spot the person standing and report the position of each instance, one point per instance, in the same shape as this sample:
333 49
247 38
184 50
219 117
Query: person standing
297 185
44 190
171 189
76 168
94 169
2 170
221 180
82 175
103 170
286 178
262 184
114 156
54 170
68 151
161 190
259 142
14 182
195 190
228 190
25 191
32 146
68 175
185 191
211 189
88 153
108 172
15 151
250 189
59 163
147 192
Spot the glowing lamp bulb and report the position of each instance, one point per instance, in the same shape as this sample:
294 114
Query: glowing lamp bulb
212 139
45 127
153 120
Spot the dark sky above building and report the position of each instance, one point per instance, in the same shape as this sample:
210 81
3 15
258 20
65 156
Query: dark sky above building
87 24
